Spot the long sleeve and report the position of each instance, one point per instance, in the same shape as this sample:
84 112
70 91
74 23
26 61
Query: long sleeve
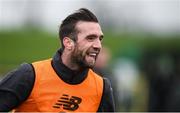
107 101
16 86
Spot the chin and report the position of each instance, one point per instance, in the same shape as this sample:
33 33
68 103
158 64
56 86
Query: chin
86 65
90 65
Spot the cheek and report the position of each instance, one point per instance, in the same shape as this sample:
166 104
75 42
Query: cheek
83 48
79 51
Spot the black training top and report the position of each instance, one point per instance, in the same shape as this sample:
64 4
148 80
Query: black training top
18 84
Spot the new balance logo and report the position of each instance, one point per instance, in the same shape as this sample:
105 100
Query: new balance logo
68 103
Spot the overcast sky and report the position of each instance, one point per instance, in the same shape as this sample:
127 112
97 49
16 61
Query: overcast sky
154 15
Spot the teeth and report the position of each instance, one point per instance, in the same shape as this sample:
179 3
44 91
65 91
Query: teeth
92 54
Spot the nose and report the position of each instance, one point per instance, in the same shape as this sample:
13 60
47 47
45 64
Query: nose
97 44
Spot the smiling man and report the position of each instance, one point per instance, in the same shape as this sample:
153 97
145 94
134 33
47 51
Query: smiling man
87 46
66 82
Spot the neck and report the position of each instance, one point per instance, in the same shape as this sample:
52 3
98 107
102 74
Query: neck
67 61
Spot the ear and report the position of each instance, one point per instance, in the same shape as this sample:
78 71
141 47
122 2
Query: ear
68 43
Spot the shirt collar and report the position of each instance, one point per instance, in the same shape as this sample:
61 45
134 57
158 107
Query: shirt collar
65 73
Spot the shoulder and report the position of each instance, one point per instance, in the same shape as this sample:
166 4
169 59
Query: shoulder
92 72
19 82
107 85
107 101
106 82
25 68
24 71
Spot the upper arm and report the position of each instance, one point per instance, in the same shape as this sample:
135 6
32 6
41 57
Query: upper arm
16 86
107 101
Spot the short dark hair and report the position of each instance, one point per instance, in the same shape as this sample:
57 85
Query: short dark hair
67 28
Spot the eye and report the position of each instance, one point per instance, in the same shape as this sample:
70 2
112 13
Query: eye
90 38
101 38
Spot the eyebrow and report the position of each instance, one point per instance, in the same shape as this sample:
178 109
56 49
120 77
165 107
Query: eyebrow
93 35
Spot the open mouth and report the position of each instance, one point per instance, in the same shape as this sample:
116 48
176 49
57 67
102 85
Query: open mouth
92 55
91 58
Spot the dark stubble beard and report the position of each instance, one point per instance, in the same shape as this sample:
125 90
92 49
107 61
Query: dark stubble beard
78 57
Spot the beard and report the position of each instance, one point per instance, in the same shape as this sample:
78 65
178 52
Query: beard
82 58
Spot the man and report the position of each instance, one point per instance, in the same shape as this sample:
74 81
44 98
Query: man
66 82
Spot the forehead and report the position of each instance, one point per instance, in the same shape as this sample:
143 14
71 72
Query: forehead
88 28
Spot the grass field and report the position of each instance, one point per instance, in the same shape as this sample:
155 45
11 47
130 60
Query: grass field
30 44
26 45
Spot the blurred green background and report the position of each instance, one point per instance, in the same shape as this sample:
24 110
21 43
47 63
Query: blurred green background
142 36
32 44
